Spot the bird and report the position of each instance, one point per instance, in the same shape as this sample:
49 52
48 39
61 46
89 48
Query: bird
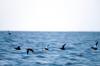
18 48
96 43
95 48
9 33
46 48
63 47
29 49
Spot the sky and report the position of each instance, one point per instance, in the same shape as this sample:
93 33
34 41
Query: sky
50 15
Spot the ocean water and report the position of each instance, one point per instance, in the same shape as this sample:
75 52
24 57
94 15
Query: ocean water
78 50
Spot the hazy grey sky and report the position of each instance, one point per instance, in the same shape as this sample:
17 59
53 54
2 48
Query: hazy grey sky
50 15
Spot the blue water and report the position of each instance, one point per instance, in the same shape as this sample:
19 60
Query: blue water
77 53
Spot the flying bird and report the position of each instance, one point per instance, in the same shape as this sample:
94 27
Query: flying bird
63 47
29 49
95 48
46 48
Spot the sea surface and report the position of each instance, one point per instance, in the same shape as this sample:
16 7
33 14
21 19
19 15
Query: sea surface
77 51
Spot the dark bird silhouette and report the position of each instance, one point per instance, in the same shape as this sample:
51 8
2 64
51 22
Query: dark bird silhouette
46 48
96 43
29 49
95 48
63 47
9 33
18 48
